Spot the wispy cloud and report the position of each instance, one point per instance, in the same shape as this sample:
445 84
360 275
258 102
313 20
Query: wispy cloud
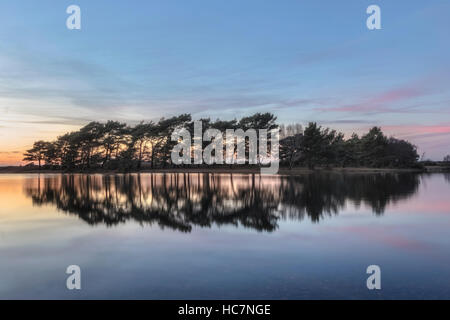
381 102
350 121
400 99
417 131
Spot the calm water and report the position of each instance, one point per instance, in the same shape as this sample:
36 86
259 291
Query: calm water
200 236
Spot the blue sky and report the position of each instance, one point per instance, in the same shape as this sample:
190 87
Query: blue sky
302 60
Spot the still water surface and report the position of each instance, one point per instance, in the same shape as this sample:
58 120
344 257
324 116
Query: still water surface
223 236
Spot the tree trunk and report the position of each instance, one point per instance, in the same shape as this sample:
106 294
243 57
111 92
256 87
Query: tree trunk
140 156
152 157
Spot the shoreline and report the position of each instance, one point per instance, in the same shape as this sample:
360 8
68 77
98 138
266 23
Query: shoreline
282 171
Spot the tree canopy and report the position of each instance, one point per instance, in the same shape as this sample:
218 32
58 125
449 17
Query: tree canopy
115 145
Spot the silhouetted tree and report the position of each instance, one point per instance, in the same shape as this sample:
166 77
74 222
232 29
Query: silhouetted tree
352 152
291 139
37 153
373 148
112 138
401 153
316 144
141 134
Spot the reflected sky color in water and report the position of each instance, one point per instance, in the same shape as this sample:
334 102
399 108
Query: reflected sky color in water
225 236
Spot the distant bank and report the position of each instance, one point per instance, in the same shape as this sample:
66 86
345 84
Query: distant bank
239 170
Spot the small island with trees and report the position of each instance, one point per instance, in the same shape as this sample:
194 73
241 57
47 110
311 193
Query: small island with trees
117 147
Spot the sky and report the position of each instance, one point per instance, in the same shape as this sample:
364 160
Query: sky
301 60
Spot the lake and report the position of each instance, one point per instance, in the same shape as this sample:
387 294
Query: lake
223 236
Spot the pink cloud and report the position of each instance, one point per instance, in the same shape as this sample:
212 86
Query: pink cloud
417 130
387 235
390 99
397 95
382 101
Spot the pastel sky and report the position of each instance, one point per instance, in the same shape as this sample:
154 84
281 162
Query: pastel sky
302 60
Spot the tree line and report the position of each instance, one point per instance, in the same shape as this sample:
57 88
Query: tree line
318 146
117 146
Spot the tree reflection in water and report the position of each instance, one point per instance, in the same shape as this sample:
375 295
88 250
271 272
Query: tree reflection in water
447 177
181 201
